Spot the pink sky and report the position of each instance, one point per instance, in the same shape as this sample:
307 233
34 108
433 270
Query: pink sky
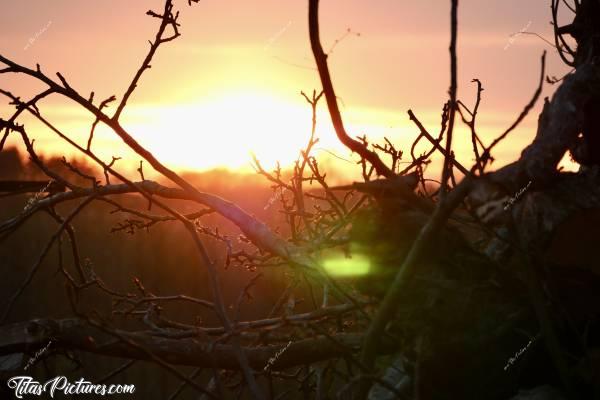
231 83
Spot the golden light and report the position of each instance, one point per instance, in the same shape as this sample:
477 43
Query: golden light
224 131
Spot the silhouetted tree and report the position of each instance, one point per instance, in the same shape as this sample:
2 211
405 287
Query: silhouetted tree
464 274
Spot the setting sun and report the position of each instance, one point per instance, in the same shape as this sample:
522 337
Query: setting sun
238 124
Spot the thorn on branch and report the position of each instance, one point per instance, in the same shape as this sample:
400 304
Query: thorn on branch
106 102
141 170
64 82
77 171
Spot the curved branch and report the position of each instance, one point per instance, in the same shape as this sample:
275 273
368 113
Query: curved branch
334 111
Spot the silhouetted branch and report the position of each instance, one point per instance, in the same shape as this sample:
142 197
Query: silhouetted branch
485 156
334 112
76 334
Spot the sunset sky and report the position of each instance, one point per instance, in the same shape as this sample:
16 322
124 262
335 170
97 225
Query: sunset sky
230 85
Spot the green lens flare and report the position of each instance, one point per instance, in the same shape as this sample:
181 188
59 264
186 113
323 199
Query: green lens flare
341 266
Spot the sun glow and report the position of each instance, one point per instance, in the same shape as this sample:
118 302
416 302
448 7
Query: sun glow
220 131
224 131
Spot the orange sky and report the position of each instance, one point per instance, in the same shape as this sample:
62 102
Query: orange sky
231 83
